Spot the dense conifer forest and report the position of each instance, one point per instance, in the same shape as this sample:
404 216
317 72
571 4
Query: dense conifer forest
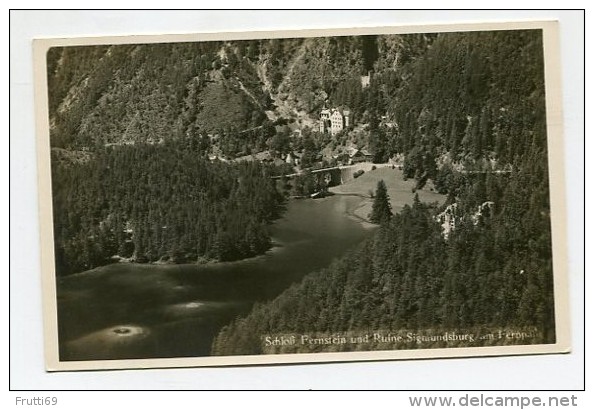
176 207
408 277
475 99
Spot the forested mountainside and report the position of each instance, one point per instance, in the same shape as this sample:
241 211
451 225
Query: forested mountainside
469 113
452 97
132 127
147 94
492 273
234 91
475 99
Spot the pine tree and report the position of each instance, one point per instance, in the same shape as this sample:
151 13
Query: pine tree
381 210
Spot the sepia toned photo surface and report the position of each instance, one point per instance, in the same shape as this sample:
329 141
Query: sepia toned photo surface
307 196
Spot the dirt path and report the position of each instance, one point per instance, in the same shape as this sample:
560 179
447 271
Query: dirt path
270 114
296 59
284 108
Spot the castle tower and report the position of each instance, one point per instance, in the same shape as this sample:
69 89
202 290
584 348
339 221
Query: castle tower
366 80
324 120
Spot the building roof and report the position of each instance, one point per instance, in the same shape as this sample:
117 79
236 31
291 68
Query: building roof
352 151
259 156
339 110
263 156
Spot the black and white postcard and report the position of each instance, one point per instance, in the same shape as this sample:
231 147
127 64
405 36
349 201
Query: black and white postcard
302 196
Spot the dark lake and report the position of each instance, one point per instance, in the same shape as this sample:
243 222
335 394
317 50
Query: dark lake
148 311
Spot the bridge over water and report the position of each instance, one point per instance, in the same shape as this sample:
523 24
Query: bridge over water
337 174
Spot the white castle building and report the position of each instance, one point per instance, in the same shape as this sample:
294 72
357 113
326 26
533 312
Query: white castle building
334 120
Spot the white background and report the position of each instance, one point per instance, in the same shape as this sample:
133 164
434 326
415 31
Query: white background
550 372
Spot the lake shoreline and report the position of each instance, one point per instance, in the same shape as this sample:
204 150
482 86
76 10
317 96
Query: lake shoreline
399 190
182 307
358 212
276 245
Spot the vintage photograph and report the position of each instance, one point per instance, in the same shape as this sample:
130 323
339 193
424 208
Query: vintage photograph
305 196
